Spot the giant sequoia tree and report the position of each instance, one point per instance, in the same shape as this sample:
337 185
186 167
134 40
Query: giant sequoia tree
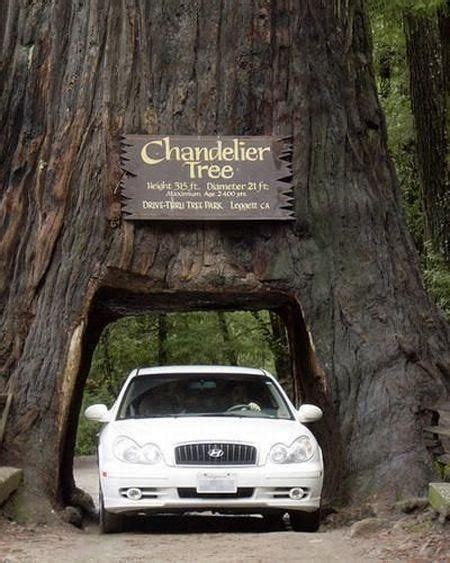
367 344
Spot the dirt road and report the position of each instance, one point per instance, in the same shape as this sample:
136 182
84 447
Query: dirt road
197 538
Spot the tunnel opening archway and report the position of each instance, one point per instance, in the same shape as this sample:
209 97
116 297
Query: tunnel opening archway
307 381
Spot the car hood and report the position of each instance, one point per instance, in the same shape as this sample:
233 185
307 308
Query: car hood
172 431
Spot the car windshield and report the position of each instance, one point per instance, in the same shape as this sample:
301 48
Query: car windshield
183 395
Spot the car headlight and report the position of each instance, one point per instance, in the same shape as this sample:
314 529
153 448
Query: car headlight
279 453
126 449
300 450
151 453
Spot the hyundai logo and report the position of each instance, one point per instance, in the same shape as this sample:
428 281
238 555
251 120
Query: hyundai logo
215 452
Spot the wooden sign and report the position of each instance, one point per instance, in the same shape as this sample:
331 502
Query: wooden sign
206 178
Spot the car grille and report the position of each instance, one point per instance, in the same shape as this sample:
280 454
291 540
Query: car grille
187 492
214 453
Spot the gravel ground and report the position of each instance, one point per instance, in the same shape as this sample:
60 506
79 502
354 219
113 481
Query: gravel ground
236 540
221 538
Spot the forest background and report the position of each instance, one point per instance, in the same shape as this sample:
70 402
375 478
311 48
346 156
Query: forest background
411 61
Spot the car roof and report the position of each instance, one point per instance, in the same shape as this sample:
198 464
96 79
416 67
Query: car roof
161 370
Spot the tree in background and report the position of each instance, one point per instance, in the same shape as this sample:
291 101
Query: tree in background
163 330
411 54
426 48
227 339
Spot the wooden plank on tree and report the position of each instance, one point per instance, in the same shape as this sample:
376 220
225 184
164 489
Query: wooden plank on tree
441 407
439 497
5 403
208 178
10 479
438 430
444 419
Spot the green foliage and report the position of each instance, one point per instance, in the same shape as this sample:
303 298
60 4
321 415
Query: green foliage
436 272
393 9
128 343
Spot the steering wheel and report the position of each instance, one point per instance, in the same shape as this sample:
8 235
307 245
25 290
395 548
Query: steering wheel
240 407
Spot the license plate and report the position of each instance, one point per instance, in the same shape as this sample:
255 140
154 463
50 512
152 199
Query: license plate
207 483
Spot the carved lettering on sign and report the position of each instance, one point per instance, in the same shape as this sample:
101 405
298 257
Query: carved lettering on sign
206 178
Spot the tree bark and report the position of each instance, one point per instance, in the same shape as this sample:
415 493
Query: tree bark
368 345
230 352
427 47
280 349
162 339
108 378
275 336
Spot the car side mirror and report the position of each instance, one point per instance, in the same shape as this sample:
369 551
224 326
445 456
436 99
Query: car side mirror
309 413
97 413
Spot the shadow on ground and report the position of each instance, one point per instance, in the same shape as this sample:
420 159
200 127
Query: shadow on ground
201 524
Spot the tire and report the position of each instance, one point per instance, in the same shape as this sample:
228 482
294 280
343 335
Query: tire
305 521
109 523
274 521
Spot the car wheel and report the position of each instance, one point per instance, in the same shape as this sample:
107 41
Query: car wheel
109 523
274 521
305 521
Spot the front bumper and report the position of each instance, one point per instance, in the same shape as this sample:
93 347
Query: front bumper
267 487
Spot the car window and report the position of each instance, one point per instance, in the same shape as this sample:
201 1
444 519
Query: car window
239 395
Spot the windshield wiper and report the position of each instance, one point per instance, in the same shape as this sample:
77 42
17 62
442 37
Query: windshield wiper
193 414
243 414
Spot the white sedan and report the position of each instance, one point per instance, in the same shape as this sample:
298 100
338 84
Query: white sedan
215 438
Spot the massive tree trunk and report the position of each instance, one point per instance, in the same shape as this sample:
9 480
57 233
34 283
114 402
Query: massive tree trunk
367 343
427 45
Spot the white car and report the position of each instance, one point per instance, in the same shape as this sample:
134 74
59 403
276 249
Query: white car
214 438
